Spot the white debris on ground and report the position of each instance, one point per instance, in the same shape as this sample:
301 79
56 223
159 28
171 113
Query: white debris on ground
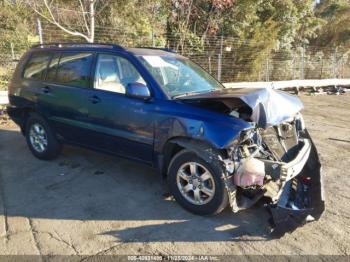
290 83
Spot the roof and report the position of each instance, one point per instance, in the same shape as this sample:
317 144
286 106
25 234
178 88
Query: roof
151 51
104 47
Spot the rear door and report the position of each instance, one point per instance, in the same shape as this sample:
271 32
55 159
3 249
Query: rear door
64 96
33 75
124 125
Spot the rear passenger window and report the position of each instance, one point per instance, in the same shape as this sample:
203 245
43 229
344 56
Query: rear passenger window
36 66
74 69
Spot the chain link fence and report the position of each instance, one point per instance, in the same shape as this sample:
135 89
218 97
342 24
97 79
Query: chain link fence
228 59
7 66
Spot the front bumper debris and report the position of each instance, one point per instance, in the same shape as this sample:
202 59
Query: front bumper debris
301 198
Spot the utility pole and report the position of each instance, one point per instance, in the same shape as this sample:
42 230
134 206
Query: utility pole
12 52
293 67
209 64
293 63
302 62
335 63
267 74
219 67
153 41
220 58
92 21
40 31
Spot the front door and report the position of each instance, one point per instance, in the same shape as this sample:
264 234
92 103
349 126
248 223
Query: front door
122 125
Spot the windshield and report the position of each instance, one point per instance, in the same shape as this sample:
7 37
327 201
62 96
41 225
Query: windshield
179 76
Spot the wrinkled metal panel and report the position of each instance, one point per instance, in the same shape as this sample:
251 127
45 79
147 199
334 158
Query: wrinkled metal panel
271 107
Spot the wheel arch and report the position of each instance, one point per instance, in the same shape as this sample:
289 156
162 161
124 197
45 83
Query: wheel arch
26 112
201 148
20 115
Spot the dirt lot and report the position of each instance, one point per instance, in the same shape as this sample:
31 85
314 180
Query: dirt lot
88 203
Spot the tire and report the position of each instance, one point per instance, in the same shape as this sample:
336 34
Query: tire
41 139
208 204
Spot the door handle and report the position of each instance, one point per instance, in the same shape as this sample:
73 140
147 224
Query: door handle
94 99
45 89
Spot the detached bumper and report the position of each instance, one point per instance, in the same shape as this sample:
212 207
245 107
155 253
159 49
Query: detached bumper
301 198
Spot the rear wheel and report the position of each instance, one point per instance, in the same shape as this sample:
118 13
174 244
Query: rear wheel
197 185
41 140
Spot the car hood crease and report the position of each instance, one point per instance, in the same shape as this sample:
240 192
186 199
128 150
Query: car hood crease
269 106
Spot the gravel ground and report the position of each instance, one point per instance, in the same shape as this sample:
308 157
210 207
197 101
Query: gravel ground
88 203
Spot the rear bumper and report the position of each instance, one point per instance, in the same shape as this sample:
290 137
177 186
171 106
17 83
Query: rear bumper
16 114
301 198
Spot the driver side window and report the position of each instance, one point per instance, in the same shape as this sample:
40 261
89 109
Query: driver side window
114 73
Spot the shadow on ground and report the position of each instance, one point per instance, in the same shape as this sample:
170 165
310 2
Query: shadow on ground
84 185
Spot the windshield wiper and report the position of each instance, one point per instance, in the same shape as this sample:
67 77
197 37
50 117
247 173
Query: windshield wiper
192 93
185 94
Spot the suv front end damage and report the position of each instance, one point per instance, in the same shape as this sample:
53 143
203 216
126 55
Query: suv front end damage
274 158
279 163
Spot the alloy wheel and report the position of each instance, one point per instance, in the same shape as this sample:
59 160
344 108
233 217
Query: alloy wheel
196 183
38 137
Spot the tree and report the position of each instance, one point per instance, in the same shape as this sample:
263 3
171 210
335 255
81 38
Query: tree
335 31
16 35
15 25
190 22
83 22
133 22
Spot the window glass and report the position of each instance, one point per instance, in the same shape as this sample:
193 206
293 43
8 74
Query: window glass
74 69
36 66
179 76
52 69
114 73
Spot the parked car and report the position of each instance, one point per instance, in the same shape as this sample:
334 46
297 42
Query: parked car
214 145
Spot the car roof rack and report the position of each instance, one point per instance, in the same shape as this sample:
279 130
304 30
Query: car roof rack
96 45
159 48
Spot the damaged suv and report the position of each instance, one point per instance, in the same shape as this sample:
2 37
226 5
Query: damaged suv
216 146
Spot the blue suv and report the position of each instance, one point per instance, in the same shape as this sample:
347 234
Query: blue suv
214 145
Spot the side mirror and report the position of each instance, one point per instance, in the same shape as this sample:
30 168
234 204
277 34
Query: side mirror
138 90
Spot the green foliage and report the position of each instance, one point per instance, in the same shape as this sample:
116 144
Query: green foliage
336 18
259 26
133 22
15 25
15 33
256 32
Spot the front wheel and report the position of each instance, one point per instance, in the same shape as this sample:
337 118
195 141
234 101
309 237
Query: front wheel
197 185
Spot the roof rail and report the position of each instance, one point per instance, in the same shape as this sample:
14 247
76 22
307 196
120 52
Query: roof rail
59 45
159 48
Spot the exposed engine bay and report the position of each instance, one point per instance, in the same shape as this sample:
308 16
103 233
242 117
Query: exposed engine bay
259 157
274 160
279 163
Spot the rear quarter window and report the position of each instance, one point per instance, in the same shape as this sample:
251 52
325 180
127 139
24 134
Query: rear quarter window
36 66
74 69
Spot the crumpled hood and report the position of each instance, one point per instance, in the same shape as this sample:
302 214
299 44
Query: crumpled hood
269 106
